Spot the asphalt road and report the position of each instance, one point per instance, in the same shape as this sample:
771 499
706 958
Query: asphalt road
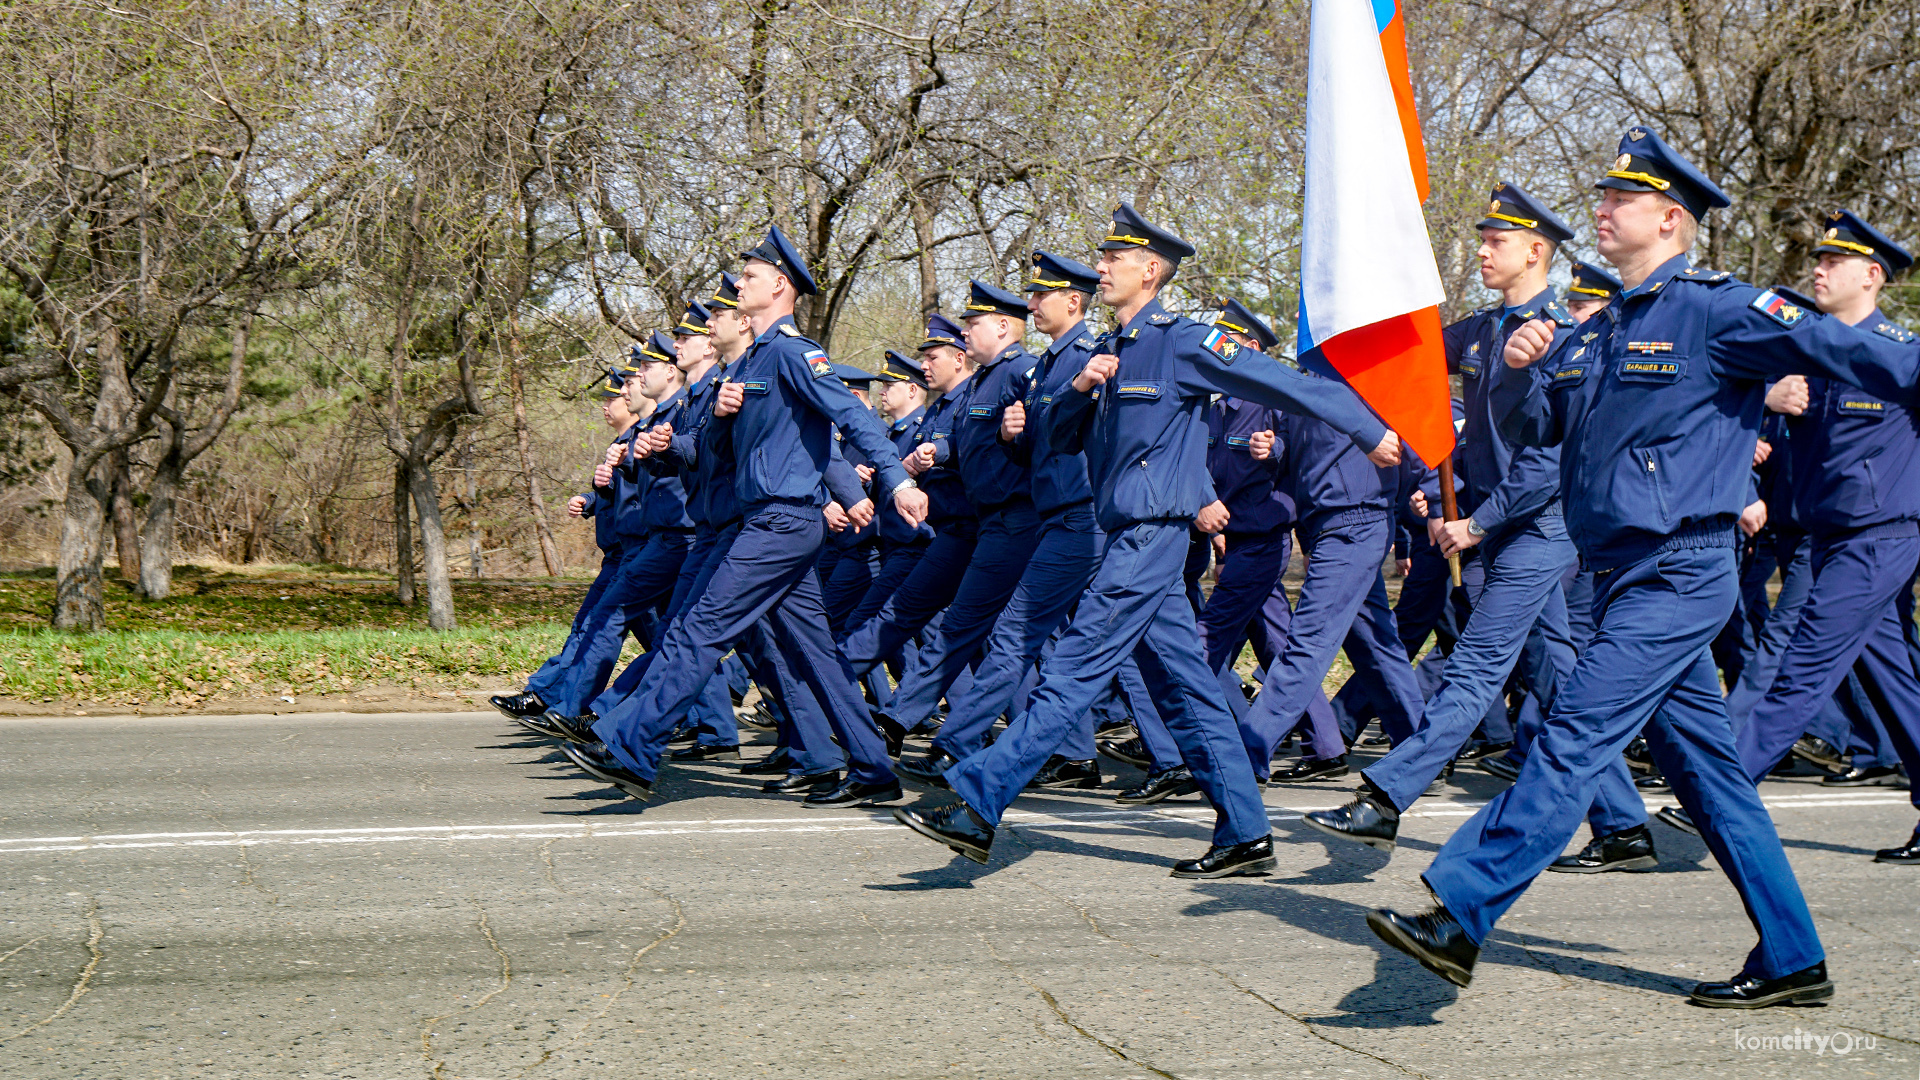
435 896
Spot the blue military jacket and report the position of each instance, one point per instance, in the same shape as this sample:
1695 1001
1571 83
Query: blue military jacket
993 473
666 494
1331 479
1059 479
701 453
783 433
1502 486
1144 431
1656 402
627 492
946 494
1255 499
1854 455
844 487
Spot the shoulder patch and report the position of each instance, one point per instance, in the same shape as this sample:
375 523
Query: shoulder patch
1778 308
1895 331
1221 345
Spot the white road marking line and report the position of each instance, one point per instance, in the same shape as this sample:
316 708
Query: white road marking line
745 826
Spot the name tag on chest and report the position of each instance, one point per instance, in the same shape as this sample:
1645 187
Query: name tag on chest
1661 370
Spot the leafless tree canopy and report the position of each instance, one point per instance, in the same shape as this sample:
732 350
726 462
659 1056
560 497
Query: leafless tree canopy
324 281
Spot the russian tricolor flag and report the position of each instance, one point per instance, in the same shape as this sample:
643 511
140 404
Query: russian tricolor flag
1369 289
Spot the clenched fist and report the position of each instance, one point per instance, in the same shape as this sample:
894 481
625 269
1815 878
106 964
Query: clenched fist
616 453
835 516
1013 422
919 461
732 395
1789 395
1260 445
577 506
1212 517
1098 370
1529 343
603 475
659 439
911 505
861 513
1387 452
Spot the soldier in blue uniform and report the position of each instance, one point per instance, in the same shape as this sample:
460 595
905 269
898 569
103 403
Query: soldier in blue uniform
781 403
1856 490
1657 414
903 405
995 479
654 533
1512 497
853 533
930 584
596 504
1057 561
1138 413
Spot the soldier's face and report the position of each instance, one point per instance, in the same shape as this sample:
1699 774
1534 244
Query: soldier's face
1053 311
1839 279
616 412
897 399
1125 273
693 350
1628 221
945 366
760 283
1585 308
1504 256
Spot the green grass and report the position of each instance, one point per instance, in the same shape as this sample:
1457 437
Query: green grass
187 667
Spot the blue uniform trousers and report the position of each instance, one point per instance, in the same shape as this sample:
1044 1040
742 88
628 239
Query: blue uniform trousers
1001 555
1136 606
843 590
1839 717
1649 666
1520 599
550 673
1054 566
1858 617
928 588
767 573
647 577
896 564
1249 590
1343 592
804 730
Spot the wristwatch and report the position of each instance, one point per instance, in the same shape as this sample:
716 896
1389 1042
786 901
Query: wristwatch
903 485
1474 529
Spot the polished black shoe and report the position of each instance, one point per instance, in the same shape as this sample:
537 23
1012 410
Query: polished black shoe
516 706
1117 729
851 792
759 718
1628 849
1678 819
1165 784
1375 740
600 764
1871 776
1060 772
774 764
927 770
1500 765
1820 752
1128 751
892 732
697 753
1369 818
1434 938
1311 768
795 784
683 736
1803 987
1483 749
1901 856
1652 782
1639 757
573 729
1253 858
955 825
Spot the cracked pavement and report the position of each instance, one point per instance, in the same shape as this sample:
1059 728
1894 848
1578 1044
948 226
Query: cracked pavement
437 896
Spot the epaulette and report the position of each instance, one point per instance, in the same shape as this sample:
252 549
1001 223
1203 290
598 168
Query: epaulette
1704 277
789 329
1087 342
1162 319
1895 331
1559 315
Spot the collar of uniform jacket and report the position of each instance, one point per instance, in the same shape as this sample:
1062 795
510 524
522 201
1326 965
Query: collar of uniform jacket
1657 280
1058 344
774 330
1144 317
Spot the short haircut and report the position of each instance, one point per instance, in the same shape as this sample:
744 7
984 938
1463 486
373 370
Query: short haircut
1170 266
1689 231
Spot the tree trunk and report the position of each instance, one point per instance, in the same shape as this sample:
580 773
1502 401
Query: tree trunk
475 548
156 540
257 533
433 541
536 503
79 602
126 527
923 236
402 534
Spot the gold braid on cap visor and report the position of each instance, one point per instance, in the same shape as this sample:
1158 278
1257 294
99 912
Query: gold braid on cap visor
1232 327
1648 179
1848 245
1142 241
1525 223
